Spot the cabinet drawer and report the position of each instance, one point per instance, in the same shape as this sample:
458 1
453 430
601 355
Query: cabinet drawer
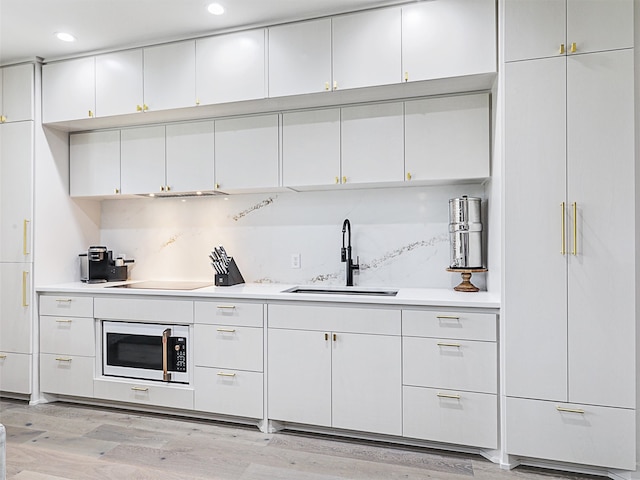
600 436
228 346
70 335
451 416
229 392
67 374
144 309
455 364
66 306
229 313
442 324
144 393
336 319
15 372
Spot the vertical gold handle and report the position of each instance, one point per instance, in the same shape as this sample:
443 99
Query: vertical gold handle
25 224
3 119
145 107
138 108
197 101
90 113
575 228
337 179
335 337
344 179
116 191
574 47
335 84
326 337
563 250
408 175
406 76
326 86
561 49
24 289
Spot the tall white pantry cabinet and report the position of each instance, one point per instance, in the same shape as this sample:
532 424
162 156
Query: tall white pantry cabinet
569 281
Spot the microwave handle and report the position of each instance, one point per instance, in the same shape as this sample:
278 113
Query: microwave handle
166 376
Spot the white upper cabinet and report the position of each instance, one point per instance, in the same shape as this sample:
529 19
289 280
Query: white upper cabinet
119 83
447 138
546 28
189 165
373 143
142 161
246 152
367 48
16 93
169 76
231 67
300 58
68 90
94 163
311 148
448 38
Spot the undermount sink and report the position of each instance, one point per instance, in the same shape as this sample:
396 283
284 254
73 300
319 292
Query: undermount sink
342 291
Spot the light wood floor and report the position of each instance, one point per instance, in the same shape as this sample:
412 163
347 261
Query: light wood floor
59 441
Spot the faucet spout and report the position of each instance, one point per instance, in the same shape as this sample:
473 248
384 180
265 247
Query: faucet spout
345 252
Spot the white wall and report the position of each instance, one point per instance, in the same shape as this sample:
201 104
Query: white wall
400 235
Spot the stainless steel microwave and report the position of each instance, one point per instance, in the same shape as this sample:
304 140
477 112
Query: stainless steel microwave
146 351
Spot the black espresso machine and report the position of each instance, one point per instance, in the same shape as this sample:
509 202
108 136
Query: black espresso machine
98 265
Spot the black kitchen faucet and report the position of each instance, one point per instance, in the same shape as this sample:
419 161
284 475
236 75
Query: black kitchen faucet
346 253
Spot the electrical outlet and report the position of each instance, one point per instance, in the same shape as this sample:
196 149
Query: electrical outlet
295 260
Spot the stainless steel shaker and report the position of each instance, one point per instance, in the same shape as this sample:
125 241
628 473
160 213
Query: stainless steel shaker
465 232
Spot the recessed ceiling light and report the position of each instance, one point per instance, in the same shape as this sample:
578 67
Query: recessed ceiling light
215 9
65 37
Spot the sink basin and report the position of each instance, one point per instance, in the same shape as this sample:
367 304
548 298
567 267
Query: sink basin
342 291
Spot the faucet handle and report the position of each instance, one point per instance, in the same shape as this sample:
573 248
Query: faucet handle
343 254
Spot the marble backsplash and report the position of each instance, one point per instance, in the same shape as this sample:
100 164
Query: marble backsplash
399 234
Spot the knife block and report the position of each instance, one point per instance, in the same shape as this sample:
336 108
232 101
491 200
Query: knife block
234 277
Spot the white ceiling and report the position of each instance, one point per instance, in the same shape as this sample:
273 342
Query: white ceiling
27 27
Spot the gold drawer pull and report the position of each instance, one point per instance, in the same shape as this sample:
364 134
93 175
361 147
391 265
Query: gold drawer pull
455 345
226 374
63 359
25 249
227 330
140 389
63 320
448 395
570 410
25 302
229 307
447 317
64 300
2 357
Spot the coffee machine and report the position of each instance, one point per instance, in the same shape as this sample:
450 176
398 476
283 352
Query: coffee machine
98 265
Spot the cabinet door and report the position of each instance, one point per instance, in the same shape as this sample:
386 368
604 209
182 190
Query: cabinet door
230 67
15 307
16 194
246 152
372 143
142 160
535 279
300 58
366 48
311 147
190 156
367 386
169 76
447 138
68 90
600 146
15 372
17 87
94 163
119 83
448 38
299 364
600 25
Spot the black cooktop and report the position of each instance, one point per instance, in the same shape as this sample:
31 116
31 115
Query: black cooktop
165 285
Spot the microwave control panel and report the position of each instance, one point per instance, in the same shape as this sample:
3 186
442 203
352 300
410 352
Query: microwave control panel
180 354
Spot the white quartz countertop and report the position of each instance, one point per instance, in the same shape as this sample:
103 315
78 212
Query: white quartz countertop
277 292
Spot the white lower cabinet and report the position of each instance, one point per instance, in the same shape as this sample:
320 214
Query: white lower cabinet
144 393
15 372
588 434
66 374
339 377
229 392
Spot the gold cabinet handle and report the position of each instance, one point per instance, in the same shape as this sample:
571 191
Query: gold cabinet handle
2 357
344 179
226 330
575 228
167 188
406 76
90 113
3 119
563 250
408 175
145 107
217 186
326 337
63 320
448 395
337 180
226 374
140 389
335 85
570 410
326 86
197 101
25 303
335 337
447 317
561 51
454 345
226 307
138 108
25 224
116 191
63 359
574 47
64 300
